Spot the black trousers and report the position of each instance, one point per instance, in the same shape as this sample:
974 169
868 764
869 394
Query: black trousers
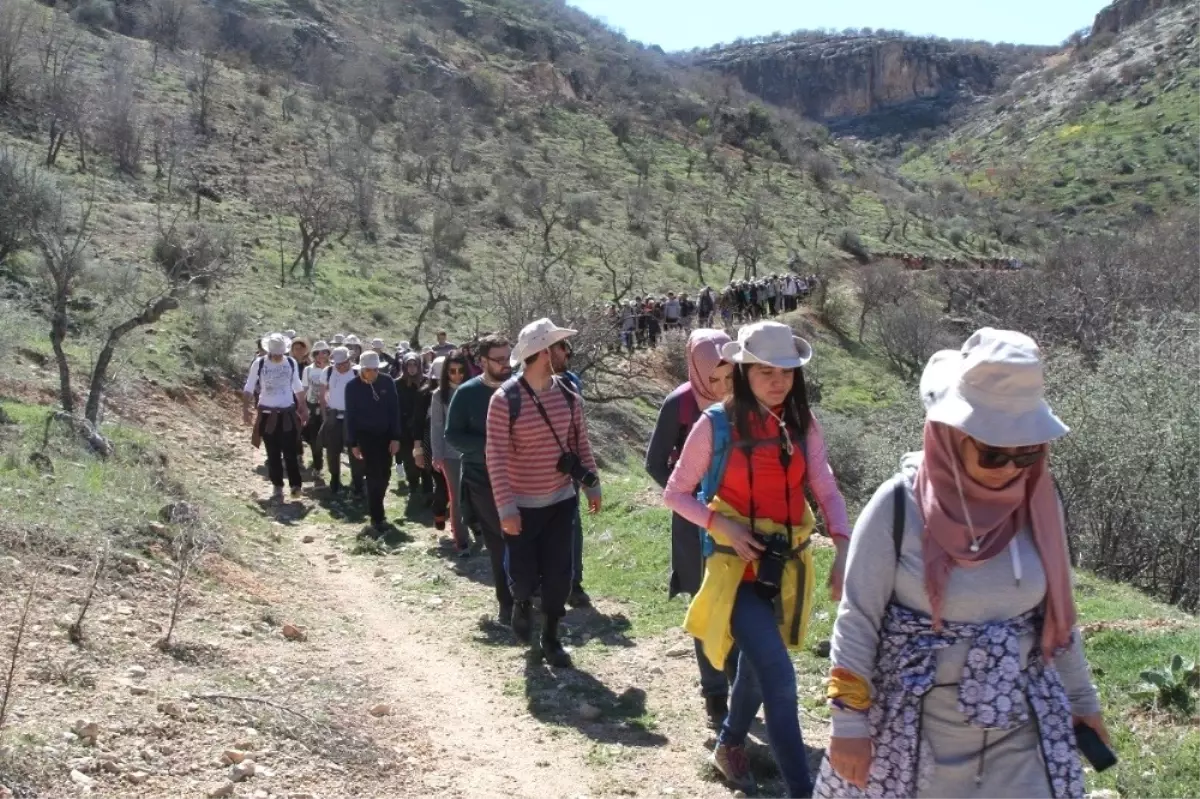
333 432
543 555
377 470
418 479
283 447
312 436
441 495
477 494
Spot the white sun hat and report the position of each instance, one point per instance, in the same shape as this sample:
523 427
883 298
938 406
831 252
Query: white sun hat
377 344
339 355
435 368
768 343
352 341
993 389
276 344
537 336
369 360
320 346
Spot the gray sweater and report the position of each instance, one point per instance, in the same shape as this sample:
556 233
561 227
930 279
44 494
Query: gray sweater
988 592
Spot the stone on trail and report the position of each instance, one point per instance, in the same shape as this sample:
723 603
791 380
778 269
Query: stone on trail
380 710
294 633
223 790
381 572
680 651
241 771
81 779
232 757
308 539
5 793
137 777
136 672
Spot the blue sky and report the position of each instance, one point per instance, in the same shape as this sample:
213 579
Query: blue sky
683 24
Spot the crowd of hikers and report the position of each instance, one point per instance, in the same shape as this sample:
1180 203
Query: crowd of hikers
957 668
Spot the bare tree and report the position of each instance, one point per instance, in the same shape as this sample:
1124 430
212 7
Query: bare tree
171 141
64 95
121 119
14 19
623 265
441 255
910 333
878 285
750 238
75 631
356 166
547 203
25 197
699 236
193 539
166 23
320 209
202 87
18 640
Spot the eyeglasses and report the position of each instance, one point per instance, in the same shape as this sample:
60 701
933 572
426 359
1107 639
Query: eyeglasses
992 458
501 361
457 371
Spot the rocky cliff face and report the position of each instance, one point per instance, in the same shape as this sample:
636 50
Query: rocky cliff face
1124 14
833 78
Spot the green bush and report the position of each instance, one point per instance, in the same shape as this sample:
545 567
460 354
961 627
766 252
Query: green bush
1171 688
849 241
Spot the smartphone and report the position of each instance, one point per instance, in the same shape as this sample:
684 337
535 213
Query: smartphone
1095 750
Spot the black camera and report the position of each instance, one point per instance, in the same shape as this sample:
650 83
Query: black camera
569 464
775 554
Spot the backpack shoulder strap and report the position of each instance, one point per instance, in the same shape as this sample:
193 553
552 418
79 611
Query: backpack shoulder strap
899 508
328 373
512 391
722 438
568 391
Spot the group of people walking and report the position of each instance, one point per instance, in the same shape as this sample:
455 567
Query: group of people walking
957 668
502 458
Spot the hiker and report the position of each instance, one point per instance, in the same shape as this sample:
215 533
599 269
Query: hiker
355 347
333 427
338 339
439 497
753 455
378 347
447 460
672 311
706 304
282 412
408 387
538 454
313 380
373 431
466 431
959 588
443 347
708 383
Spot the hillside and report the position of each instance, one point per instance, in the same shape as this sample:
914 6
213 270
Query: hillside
1106 133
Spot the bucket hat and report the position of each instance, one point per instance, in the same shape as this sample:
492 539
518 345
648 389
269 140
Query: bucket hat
537 336
768 343
339 355
276 344
993 389
320 346
369 360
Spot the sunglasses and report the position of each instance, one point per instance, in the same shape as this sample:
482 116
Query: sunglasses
991 458
457 370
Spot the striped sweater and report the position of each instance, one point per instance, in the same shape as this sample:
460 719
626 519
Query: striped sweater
522 465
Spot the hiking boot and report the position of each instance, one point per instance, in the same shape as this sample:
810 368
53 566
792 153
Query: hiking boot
439 523
504 617
734 766
717 708
464 553
296 492
578 598
552 648
277 495
522 621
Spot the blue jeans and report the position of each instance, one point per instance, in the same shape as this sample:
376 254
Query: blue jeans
764 656
716 682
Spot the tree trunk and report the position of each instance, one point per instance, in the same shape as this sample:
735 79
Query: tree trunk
100 371
58 334
700 263
430 304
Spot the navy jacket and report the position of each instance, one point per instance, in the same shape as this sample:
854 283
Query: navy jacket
372 410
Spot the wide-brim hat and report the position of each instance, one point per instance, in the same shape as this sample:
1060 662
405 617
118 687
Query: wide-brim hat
301 340
352 341
537 336
282 344
369 360
993 389
770 344
339 355
320 346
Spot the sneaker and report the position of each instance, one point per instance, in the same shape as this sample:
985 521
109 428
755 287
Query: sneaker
277 495
717 708
464 553
439 523
522 621
578 598
296 491
734 767
555 655
504 616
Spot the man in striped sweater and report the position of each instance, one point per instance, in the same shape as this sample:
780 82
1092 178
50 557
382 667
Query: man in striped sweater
535 422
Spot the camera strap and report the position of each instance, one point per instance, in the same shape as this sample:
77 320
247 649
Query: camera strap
545 416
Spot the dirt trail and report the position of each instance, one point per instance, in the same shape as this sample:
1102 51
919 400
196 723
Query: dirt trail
471 715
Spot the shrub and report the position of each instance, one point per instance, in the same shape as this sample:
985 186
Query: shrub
216 342
1171 688
849 241
95 14
686 259
957 236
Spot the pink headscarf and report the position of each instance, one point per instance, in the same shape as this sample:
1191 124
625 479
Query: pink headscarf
996 515
704 356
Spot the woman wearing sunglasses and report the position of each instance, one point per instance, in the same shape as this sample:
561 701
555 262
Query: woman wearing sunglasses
957 666
447 462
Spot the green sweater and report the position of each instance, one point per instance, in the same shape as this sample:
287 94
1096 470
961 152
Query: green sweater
466 426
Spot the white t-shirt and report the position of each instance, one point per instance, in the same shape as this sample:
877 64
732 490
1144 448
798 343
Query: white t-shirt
337 383
314 381
277 383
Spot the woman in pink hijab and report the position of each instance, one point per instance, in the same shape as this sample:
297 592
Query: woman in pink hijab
957 665
709 381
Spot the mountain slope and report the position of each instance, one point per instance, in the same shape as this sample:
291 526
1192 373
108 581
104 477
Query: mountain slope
1107 134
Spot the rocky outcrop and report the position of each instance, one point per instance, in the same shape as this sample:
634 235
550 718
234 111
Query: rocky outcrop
1124 14
833 78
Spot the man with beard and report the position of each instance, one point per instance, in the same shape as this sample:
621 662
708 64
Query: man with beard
538 455
466 431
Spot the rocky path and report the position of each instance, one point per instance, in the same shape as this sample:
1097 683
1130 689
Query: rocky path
470 715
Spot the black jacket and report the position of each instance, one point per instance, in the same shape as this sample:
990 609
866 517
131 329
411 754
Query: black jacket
372 410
